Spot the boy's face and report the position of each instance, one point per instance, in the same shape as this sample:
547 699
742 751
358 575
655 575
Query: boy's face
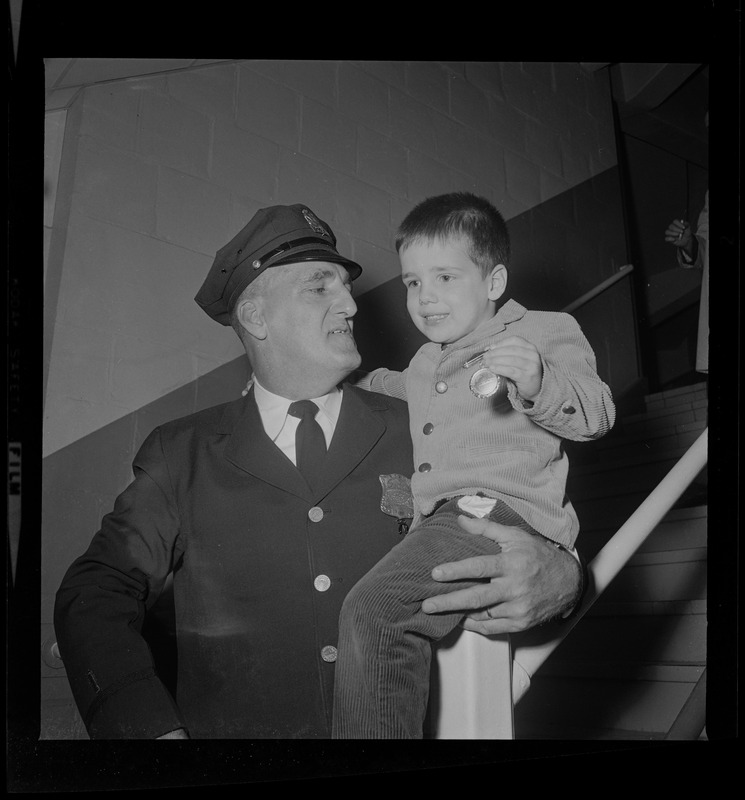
446 294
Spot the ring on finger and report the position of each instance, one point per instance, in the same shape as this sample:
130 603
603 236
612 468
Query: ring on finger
489 614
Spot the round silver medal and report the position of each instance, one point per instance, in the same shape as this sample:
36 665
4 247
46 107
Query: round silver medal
484 383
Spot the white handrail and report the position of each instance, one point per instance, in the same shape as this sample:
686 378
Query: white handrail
615 554
601 287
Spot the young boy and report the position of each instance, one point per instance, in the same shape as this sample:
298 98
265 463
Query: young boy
483 445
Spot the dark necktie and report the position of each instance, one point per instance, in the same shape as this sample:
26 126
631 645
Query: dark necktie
310 443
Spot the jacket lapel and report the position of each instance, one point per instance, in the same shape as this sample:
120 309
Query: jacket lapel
251 450
358 429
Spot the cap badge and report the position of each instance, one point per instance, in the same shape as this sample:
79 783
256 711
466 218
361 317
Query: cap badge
315 223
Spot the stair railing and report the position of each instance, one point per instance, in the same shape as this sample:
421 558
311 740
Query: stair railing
479 679
616 553
623 271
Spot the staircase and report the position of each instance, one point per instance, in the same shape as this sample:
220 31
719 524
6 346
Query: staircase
631 663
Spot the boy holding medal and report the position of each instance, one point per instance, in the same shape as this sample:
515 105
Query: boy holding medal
491 398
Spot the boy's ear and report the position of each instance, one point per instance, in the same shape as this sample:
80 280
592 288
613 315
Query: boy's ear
497 282
251 318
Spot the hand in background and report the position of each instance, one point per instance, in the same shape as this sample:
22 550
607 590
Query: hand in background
679 234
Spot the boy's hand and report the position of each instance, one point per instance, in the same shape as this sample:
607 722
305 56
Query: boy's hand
517 359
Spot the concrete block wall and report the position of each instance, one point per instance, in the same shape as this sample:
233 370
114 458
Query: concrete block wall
157 173
168 168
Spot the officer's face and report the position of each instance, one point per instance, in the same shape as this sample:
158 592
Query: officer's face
307 311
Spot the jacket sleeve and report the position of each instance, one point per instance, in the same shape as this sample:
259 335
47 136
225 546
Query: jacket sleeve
101 604
385 381
573 402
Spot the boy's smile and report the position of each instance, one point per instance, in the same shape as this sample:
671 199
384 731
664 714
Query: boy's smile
446 294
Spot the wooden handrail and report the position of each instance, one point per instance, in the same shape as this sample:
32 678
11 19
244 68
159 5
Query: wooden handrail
615 554
627 269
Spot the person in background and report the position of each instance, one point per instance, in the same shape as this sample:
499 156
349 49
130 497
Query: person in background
693 253
265 511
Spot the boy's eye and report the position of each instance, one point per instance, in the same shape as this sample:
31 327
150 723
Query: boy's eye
412 284
446 278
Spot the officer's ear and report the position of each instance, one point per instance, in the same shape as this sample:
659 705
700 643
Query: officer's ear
251 318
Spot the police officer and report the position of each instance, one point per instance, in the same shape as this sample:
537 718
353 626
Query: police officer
265 511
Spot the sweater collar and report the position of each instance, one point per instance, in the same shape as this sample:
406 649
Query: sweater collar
510 311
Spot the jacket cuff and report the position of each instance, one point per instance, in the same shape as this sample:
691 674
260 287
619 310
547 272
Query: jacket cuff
137 707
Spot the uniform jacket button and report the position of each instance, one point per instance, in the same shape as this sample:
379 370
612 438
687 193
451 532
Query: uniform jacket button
328 653
322 582
315 514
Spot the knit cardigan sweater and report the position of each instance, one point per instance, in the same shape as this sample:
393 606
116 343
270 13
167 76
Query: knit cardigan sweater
509 449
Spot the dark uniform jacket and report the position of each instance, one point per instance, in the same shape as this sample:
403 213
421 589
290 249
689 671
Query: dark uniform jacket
260 567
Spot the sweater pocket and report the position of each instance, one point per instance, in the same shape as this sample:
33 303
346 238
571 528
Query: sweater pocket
480 447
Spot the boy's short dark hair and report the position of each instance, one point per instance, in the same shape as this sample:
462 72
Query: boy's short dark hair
459 214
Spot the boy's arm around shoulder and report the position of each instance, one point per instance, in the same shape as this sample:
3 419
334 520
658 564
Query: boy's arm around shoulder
573 402
384 381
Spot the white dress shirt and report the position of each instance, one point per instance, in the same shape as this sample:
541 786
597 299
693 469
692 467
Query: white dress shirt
280 426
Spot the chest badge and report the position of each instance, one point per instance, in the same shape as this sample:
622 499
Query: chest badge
397 500
485 383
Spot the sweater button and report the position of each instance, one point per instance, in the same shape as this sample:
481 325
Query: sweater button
428 428
569 409
441 387
425 467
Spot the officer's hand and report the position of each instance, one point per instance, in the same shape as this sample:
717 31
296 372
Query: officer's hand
532 581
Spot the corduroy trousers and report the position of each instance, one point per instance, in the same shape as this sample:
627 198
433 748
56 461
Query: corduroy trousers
382 679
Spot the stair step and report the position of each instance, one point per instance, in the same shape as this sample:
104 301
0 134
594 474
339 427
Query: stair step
680 527
662 421
651 436
672 395
594 513
630 460
648 708
630 670
604 607
616 674
569 732
656 638
613 480
641 443
609 503
667 582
